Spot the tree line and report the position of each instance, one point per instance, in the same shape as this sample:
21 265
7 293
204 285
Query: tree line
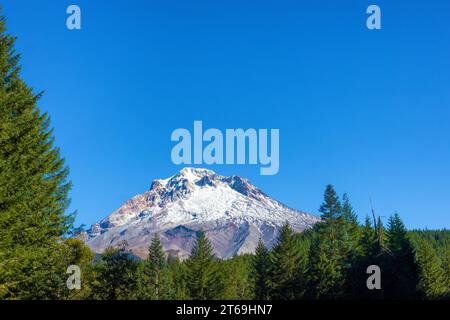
328 261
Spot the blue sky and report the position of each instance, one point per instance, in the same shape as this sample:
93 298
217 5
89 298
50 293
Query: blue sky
368 111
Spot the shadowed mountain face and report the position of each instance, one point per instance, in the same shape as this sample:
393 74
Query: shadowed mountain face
233 213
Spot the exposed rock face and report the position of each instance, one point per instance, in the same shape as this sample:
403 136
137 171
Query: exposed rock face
233 213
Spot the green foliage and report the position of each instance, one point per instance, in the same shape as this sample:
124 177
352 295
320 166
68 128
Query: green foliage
433 283
331 206
204 280
179 275
115 275
326 279
155 281
350 219
287 266
79 254
238 283
328 261
260 270
399 263
33 190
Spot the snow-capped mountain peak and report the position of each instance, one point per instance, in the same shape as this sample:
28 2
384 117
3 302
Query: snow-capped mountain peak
233 213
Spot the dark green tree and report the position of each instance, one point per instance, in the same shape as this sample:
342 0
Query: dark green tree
33 189
238 283
260 270
179 275
399 266
116 275
287 266
334 248
433 283
79 254
348 214
368 239
156 282
326 279
370 253
331 206
350 219
203 279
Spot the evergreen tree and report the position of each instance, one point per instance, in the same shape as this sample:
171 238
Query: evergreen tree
156 278
33 189
331 206
261 267
79 254
351 221
326 280
287 266
368 239
334 248
115 275
179 275
238 283
370 253
401 272
433 283
203 278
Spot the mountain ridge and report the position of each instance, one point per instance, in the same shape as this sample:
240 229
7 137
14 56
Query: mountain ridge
232 212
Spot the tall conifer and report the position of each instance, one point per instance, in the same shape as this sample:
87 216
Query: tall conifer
261 267
33 189
204 281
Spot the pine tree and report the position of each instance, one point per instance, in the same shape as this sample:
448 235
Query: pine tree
331 206
157 282
334 248
179 276
326 279
433 282
33 189
238 283
351 221
370 253
368 239
203 279
287 266
261 266
399 264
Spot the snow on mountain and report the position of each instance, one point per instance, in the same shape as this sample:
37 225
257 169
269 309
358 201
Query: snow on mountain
233 213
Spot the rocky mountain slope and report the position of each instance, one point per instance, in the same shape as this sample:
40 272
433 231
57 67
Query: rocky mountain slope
233 213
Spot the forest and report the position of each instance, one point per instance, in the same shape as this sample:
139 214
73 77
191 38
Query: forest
328 261
38 239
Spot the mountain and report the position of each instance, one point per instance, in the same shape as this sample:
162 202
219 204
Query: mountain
233 213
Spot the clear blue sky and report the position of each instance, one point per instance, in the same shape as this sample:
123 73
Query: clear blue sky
368 111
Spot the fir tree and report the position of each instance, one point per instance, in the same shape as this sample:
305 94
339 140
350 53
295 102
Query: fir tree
331 206
157 282
261 266
238 283
399 263
368 239
178 273
351 220
433 282
369 253
33 189
326 280
287 266
203 278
